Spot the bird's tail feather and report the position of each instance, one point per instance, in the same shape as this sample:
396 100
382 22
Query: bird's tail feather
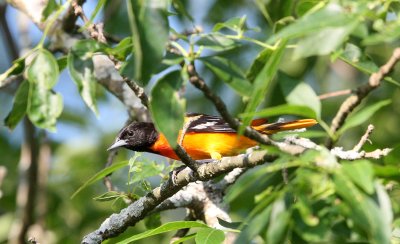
282 126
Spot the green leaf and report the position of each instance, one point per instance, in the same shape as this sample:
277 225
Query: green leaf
229 225
143 170
50 8
153 221
324 41
62 63
100 175
164 228
284 109
180 8
17 68
44 106
122 49
20 105
96 10
359 117
301 94
330 16
361 173
229 73
216 42
236 24
81 68
108 196
255 225
263 81
278 225
258 64
185 238
166 107
149 26
210 236
366 213
353 56
43 70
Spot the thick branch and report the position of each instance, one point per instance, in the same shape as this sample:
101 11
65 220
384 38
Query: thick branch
118 223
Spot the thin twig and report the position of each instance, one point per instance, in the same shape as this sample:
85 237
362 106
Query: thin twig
360 93
335 94
364 138
95 30
138 90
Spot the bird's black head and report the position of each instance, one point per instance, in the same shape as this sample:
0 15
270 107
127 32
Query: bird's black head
137 136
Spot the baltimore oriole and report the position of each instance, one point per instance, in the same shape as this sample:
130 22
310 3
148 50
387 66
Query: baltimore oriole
206 137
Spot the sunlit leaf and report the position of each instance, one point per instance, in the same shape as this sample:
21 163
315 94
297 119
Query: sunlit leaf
100 175
236 24
210 236
330 16
43 70
167 108
20 104
164 228
216 42
324 41
44 106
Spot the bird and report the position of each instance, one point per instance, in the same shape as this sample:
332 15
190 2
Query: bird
205 137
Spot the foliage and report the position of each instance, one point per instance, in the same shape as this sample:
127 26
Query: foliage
271 63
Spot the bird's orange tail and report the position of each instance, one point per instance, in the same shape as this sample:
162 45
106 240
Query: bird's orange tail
282 126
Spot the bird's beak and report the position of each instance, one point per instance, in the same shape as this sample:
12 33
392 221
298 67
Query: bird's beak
118 143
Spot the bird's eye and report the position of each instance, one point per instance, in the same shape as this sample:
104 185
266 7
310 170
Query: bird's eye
130 133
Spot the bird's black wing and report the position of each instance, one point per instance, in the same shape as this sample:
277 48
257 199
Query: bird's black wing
203 123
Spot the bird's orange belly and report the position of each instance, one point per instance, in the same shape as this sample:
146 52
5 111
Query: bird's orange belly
203 145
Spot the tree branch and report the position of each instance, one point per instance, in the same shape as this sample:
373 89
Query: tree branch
118 223
360 93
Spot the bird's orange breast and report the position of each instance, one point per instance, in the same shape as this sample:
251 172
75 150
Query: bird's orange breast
203 145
